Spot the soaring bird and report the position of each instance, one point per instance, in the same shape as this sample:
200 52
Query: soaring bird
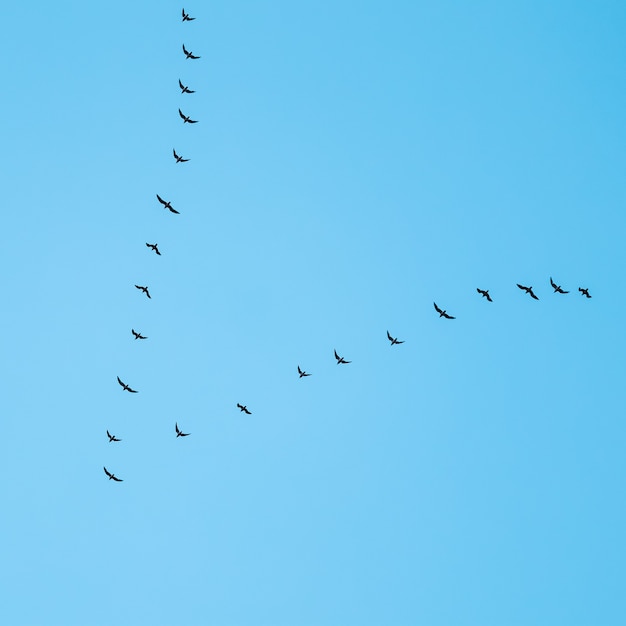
145 290
155 247
112 437
185 89
125 386
340 359
243 408
302 373
137 335
186 118
178 158
557 288
112 476
393 339
484 293
188 54
584 292
180 433
167 205
528 290
442 313
186 17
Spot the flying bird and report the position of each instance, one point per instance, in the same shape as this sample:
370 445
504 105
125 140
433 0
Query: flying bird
145 290
185 89
484 293
112 437
442 313
340 359
155 247
186 118
243 408
125 386
528 290
302 373
188 54
557 288
167 205
137 335
393 339
180 433
584 292
178 158
112 476
186 17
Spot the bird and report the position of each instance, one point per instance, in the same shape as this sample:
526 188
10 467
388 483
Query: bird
112 476
188 54
484 293
186 118
443 313
302 373
557 288
137 335
340 359
155 247
167 205
243 408
125 386
185 89
528 290
145 290
112 437
180 433
186 17
393 339
584 292
178 158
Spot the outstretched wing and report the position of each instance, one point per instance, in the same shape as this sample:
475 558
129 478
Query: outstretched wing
181 85
532 295
449 316
120 382
173 210
159 197
116 479
337 356
181 114
185 50
554 285
389 336
437 308
522 287
106 471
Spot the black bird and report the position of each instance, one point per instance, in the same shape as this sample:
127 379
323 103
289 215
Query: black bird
185 89
528 290
145 290
557 288
584 292
112 476
393 339
178 158
484 293
340 359
243 408
186 17
302 373
167 205
137 335
112 437
126 387
443 313
180 433
188 54
186 118
155 247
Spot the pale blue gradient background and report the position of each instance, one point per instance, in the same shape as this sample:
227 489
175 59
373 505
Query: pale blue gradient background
354 161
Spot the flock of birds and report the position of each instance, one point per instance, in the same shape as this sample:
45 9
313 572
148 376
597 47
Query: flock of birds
302 374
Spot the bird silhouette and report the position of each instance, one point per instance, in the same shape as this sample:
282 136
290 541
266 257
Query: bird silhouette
484 293
166 205
112 476
528 290
178 158
137 335
186 118
155 247
442 313
557 288
180 433
112 437
393 339
243 408
188 54
125 386
340 359
145 290
186 17
185 89
584 292
302 373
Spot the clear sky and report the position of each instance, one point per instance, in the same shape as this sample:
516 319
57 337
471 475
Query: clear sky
353 163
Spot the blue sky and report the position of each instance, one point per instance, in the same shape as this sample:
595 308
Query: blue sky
353 162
